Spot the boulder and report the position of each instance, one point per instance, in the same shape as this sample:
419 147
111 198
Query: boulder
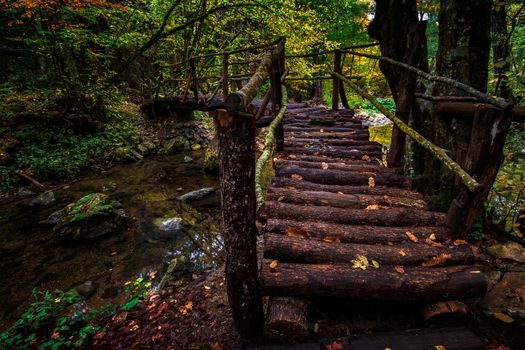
196 195
43 200
92 216
509 250
173 224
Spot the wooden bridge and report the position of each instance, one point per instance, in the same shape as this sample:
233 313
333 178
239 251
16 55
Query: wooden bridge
338 224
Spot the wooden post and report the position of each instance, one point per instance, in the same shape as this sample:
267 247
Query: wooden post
276 70
335 81
225 63
236 136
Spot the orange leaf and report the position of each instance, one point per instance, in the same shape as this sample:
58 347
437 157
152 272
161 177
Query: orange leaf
365 157
411 236
371 182
503 317
432 237
324 165
273 265
437 260
459 242
399 269
297 177
372 207
402 252
433 244
296 232
334 346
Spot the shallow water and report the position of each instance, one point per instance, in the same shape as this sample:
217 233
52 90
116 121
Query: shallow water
31 255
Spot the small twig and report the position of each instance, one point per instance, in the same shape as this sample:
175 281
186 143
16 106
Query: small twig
33 182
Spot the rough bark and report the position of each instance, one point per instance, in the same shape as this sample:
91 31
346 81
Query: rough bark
333 152
346 189
237 168
356 201
338 177
287 319
300 250
364 234
333 164
385 283
349 135
380 217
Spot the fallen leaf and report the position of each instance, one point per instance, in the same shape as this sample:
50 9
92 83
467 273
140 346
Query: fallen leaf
459 242
334 346
365 157
340 193
437 260
316 327
321 130
207 287
186 308
273 265
296 232
411 237
371 182
280 199
372 207
432 237
439 347
433 244
324 165
402 252
375 264
297 177
503 317
331 239
399 269
360 262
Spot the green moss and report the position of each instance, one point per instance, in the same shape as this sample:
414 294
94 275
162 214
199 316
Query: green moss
210 160
381 134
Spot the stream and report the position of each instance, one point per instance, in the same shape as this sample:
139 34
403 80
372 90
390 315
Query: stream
32 256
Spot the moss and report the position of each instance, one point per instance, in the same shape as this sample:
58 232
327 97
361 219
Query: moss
381 134
210 160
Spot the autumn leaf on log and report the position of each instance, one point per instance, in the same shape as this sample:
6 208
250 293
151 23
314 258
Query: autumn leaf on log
331 239
360 262
280 199
438 260
273 265
433 244
296 232
297 177
503 317
432 237
334 346
186 308
459 242
324 165
366 157
439 347
321 130
340 193
372 207
371 182
402 252
375 264
399 269
411 237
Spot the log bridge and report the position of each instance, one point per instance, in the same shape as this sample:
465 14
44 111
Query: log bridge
336 226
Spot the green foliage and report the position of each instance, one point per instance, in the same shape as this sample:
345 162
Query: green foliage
136 291
53 321
87 206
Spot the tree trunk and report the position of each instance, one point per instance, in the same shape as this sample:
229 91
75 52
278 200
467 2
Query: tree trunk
236 136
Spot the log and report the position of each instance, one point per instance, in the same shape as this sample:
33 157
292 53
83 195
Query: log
294 249
419 339
385 283
330 160
353 233
333 164
307 185
443 309
349 135
339 177
380 217
286 319
301 142
358 201
333 152
236 136
318 144
339 128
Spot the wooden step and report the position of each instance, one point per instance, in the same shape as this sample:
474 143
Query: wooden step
346 189
295 249
384 283
350 135
354 233
339 200
340 177
379 217
326 163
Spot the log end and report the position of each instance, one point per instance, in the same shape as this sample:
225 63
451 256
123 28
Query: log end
286 319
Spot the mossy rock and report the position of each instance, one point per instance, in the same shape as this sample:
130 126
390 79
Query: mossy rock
92 216
210 160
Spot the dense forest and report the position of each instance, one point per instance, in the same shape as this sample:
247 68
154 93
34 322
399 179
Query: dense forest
111 180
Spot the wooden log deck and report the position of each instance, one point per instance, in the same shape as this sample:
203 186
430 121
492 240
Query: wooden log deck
338 225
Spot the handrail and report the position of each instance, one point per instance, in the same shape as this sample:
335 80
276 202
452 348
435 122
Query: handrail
439 152
268 145
243 97
327 52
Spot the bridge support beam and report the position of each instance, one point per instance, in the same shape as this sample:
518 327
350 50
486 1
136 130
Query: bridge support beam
236 136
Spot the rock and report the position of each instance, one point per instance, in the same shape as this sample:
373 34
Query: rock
508 293
188 159
196 195
24 192
43 199
149 145
86 289
127 154
142 149
169 224
509 250
90 217
175 144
